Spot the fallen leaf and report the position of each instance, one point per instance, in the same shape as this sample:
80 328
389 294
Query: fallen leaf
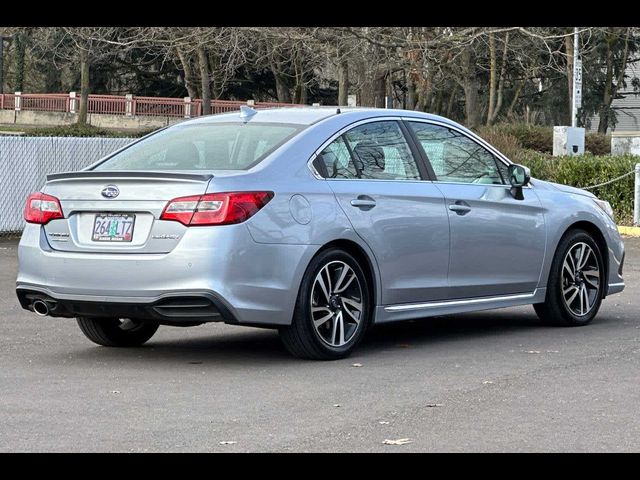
228 442
432 405
356 365
487 382
400 441
115 391
336 405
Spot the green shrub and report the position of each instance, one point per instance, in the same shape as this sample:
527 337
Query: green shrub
587 170
506 143
597 143
530 137
76 130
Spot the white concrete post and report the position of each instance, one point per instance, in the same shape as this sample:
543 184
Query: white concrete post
128 107
17 101
636 198
72 102
187 107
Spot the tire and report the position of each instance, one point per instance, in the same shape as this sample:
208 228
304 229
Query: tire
559 308
114 332
339 305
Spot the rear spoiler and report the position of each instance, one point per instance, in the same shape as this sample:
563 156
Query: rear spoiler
111 174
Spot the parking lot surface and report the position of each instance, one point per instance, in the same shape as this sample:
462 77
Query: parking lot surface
488 381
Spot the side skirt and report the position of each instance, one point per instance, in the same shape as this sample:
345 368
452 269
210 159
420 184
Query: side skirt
408 311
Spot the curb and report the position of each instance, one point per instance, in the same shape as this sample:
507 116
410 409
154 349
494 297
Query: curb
630 231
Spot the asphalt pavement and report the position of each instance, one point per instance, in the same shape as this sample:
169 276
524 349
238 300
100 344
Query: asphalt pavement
487 381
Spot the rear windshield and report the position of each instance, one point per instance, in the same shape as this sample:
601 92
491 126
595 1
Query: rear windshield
219 146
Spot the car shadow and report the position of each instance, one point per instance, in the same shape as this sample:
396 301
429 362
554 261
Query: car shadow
259 347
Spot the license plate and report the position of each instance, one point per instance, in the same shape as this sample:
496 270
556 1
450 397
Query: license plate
113 227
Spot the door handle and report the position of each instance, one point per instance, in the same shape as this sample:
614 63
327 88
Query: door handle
460 208
363 202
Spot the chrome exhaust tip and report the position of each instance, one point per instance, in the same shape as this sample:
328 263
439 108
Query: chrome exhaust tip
41 308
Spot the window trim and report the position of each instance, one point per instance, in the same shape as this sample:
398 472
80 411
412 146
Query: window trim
417 155
474 138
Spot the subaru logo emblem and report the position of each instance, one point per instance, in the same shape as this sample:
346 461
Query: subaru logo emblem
110 191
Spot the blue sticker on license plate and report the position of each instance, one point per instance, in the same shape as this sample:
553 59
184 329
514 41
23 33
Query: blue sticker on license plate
113 227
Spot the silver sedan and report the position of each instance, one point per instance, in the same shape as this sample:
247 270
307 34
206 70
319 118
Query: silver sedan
314 221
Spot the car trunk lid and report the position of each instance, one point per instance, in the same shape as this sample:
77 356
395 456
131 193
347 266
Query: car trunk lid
118 212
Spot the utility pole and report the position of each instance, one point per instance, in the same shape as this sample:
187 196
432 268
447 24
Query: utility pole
1 64
576 94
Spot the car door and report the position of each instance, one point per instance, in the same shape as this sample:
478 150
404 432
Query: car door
379 184
497 242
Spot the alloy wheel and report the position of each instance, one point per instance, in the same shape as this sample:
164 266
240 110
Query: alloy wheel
336 303
580 279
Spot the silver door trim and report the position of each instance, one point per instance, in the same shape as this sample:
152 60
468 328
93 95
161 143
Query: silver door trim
451 303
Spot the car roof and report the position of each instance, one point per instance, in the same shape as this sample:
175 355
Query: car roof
310 115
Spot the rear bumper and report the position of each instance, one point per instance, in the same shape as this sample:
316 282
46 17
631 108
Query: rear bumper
256 283
178 308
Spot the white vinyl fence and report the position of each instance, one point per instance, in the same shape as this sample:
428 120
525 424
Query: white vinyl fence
25 162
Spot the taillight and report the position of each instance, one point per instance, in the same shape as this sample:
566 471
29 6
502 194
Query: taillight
215 208
41 208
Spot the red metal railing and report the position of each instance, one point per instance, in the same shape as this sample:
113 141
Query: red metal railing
42 102
123 105
109 104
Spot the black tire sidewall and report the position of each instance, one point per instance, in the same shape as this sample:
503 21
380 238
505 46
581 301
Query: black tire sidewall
555 283
303 313
106 332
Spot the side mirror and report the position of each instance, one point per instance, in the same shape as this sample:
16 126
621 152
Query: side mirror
519 176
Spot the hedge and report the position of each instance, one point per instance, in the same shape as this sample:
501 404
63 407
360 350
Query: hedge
587 170
510 138
76 130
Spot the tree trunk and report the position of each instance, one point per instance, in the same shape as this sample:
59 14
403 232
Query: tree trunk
496 81
568 45
470 87
603 125
18 62
300 87
516 96
452 98
205 80
84 87
282 90
411 93
1 64
343 83
611 90
493 76
189 77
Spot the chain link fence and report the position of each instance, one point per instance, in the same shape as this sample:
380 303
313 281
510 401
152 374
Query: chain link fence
25 162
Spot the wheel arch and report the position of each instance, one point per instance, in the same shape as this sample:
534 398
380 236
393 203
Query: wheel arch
365 260
593 230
